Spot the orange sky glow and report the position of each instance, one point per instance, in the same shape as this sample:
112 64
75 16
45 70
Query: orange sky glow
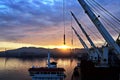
40 23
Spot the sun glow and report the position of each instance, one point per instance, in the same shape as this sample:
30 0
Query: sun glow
64 47
12 45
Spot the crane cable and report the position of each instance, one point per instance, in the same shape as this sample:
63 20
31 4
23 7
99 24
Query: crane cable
94 34
111 15
93 8
64 22
71 33
107 12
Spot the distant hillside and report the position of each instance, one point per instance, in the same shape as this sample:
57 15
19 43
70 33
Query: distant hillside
28 52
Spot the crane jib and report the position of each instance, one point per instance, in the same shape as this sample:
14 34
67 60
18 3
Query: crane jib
100 27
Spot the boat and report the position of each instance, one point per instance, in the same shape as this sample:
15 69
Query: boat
100 63
51 72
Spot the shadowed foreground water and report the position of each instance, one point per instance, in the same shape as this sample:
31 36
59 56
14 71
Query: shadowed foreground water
17 69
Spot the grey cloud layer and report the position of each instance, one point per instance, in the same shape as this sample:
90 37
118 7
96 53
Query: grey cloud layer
20 17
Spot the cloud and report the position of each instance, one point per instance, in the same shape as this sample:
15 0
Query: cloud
27 19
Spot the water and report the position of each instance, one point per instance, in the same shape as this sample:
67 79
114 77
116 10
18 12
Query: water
17 69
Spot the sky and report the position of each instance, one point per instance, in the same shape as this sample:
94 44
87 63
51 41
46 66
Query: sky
40 23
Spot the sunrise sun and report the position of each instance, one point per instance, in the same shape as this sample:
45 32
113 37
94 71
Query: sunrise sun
64 47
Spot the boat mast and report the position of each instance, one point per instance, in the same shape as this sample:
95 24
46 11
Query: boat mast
48 60
100 27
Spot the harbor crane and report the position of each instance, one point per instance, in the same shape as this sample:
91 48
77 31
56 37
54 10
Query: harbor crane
101 55
91 55
88 38
100 28
81 41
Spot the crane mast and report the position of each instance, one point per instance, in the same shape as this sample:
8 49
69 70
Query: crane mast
81 40
100 27
91 42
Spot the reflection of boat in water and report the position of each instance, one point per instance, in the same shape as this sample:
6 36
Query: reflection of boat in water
51 72
100 63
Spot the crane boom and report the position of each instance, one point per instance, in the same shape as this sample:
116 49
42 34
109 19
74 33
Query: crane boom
81 40
100 27
91 42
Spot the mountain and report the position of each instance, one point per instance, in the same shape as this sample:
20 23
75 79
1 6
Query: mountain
28 52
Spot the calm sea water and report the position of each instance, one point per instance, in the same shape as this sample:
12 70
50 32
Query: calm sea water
17 69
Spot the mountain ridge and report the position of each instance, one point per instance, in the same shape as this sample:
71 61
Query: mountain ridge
28 52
